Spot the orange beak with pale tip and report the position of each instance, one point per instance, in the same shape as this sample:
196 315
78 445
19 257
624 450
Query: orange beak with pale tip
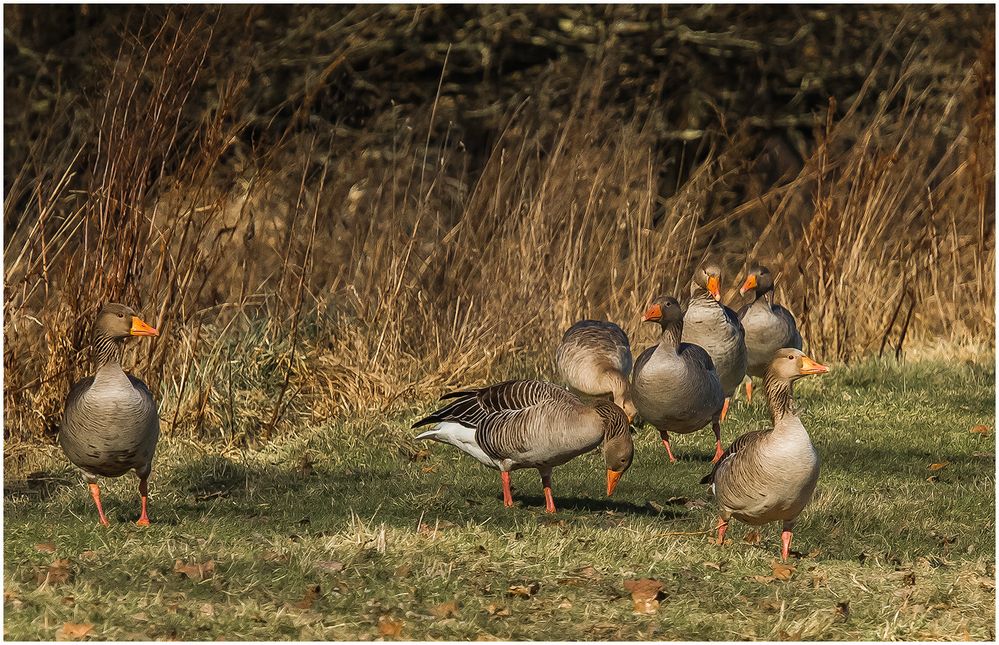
808 366
714 287
750 283
653 314
613 477
140 328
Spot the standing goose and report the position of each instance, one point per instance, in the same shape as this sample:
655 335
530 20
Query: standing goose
594 358
768 326
769 475
110 424
675 384
717 329
531 424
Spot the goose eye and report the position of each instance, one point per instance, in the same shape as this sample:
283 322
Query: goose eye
790 357
121 315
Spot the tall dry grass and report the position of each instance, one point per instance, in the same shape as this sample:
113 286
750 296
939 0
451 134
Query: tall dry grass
320 277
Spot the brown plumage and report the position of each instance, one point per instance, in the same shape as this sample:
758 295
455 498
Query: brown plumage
110 424
594 358
770 475
675 385
531 424
768 326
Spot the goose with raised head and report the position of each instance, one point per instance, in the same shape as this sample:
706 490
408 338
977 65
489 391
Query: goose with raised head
594 359
531 424
716 328
110 425
768 326
675 385
770 475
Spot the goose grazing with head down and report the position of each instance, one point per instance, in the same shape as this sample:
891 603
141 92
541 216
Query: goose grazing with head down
769 475
110 425
675 384
531 424
768 326
713 326
594 358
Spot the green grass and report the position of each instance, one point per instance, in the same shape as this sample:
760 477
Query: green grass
386 531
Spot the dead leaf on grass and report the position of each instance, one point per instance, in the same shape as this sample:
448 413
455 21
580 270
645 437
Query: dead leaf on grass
586 571
309 599
388 626
782 572
713 565
843 609
196 571
330 566
523 591
45 547
403 570
980 429
497 610
752 537
445 609
88 555
56 573
938 466
933 479
819 579
73 631
565 604
207 609
646 594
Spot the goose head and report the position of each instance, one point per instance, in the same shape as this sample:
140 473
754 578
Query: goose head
790 364
119 322
666 311
618 447
759 279
707 277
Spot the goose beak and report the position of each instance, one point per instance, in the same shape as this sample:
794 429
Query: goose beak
612 478
140 328
653 314
750 283
808 366
714 286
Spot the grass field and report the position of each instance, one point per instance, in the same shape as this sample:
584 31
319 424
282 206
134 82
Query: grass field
306 539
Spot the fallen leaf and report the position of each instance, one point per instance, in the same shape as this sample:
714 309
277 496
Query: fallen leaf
388 626
936 467
196 571
445 609
420 455
843 609
586 571
73 631
45 547
713 565
69 601
208 609
933 479
752 537
430 469
140 616
56 573
980 429
497 610
88 555
403 570
819 579
309 599
329 565
523 591
782 571
565 604
646 594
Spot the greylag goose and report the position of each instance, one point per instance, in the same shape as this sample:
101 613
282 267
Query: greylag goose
769 475
531 424
768 326
713 326
110 424
675 384
594 358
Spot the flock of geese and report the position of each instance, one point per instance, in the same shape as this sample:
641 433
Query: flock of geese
681 384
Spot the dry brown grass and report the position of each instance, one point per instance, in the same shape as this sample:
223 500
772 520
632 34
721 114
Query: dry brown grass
317 275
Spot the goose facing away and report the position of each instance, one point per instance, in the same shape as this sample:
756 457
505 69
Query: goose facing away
675 385
768 326
531 424
594 358
713 326
770 475
110 424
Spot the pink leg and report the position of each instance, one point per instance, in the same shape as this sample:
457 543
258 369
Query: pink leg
669 451
507 495
546 481
95 492
143 493
785 545
722 527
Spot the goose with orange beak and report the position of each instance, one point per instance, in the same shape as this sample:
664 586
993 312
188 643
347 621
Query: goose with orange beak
110 425
768 325
674 384
770 475
713 326
531 424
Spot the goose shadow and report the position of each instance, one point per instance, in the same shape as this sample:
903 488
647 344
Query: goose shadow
598 505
